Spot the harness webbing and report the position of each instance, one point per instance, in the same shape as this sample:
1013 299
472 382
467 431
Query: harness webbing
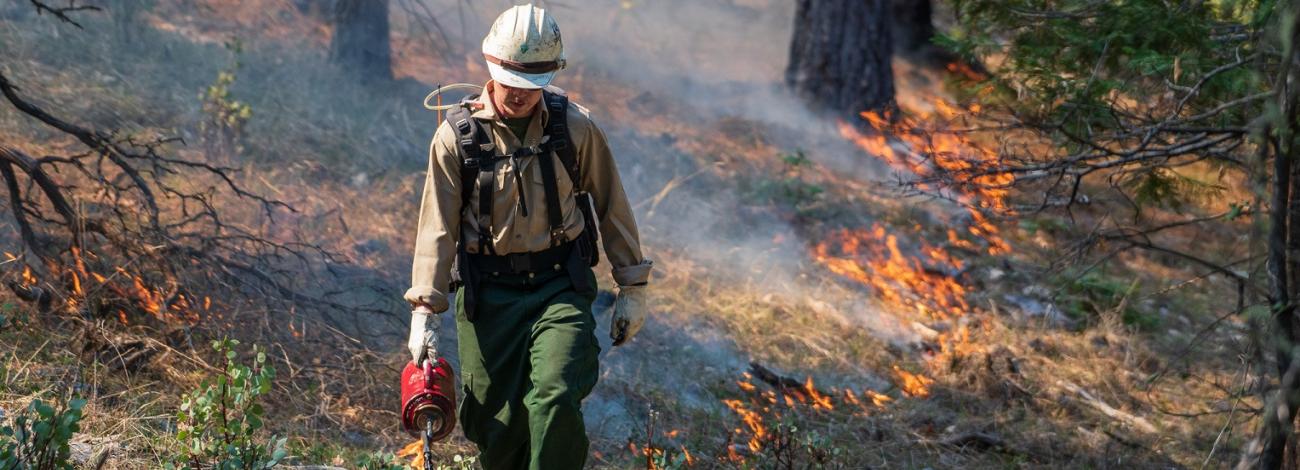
480 162
554 216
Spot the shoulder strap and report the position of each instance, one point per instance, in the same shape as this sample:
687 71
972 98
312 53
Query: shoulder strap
479 165
554 216
557 127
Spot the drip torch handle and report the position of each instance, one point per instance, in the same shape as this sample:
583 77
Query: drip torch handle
431 329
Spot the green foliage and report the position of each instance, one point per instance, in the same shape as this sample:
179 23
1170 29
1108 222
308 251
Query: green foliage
459 462
1067 59
224 116
669 459
379 461
1166 188
790 447
218 424
1048 225
1119 97
789 189
1093 294
38 437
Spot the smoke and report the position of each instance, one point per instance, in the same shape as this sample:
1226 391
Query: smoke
660 77
684 68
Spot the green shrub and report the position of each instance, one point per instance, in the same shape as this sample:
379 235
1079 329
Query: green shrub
38 437
224 116
379 461
789 188
1092 294
218 424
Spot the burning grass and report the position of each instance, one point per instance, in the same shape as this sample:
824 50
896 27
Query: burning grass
844 315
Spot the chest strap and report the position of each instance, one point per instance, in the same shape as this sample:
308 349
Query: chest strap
481 161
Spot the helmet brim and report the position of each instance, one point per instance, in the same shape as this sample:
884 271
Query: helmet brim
510 78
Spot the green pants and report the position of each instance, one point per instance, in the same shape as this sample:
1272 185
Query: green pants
527 361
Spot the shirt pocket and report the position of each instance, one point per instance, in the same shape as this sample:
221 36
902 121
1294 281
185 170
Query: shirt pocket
563 183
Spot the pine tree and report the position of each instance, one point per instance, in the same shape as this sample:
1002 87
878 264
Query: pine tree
840 56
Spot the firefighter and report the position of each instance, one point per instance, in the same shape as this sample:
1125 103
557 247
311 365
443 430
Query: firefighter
521 185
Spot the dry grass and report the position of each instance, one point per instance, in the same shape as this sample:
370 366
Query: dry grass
762 299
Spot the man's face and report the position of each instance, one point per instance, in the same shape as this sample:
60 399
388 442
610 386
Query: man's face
514 102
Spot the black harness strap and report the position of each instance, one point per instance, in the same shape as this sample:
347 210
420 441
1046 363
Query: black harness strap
557 127
459 117
486 188
479 166
554 212
478 156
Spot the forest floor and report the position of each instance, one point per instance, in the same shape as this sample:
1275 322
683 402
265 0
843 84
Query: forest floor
897 338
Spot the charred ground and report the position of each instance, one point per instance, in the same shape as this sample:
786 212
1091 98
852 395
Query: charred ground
806 313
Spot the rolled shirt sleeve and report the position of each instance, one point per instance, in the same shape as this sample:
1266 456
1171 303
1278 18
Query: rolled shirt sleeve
618 229
438 228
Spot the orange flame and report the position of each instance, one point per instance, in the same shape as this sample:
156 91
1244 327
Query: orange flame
902 281
753 420
414 451
819 401
29 279
914 385
878 399
914 144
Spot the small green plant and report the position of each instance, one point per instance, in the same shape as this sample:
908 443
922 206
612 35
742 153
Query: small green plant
789 188
222 128
793 187
460 462
668 459
218 424
379 461
38 437
1092 294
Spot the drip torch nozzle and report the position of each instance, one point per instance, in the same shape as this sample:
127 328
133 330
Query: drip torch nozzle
428 442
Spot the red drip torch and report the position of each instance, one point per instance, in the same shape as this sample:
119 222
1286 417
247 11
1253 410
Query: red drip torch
429 396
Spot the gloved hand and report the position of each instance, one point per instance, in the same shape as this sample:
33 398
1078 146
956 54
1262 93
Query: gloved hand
629 313
422 338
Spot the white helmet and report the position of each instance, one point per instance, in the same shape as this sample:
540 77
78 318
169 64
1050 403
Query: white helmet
523 49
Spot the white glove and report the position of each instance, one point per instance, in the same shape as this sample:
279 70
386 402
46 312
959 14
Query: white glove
422 338
629 314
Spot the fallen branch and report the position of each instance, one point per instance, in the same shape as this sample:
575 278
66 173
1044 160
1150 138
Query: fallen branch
1131 420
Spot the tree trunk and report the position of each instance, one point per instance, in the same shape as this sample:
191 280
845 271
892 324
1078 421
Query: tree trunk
360 44
1268 449
839 56
912 26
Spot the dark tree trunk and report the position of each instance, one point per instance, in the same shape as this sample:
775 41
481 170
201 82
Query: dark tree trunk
914 32
1268 449
912 26
839 56
360 44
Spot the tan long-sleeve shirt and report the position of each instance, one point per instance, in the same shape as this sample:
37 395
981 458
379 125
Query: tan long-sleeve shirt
442 222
